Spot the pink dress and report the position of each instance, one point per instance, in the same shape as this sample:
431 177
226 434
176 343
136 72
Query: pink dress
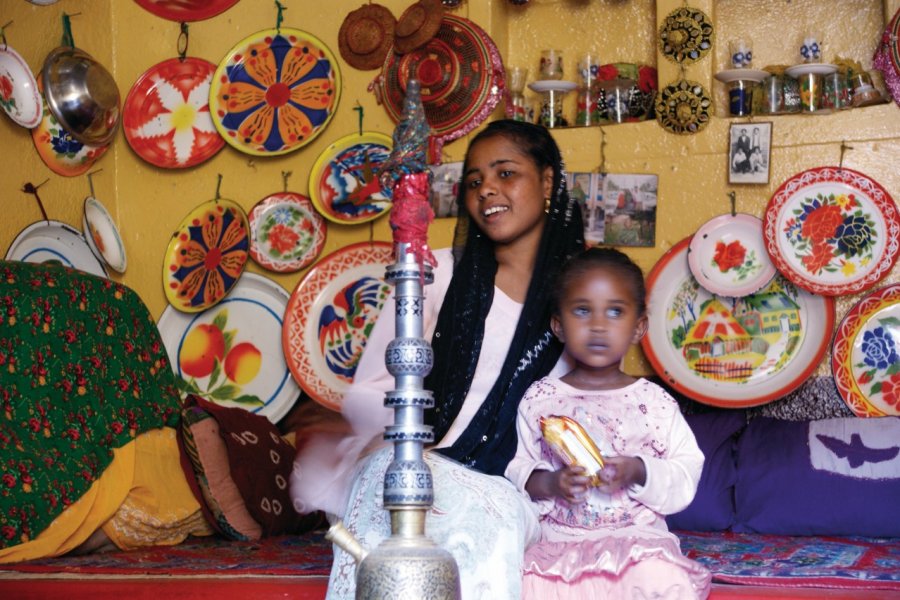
612 545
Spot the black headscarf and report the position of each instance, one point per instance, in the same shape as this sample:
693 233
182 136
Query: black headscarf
489 441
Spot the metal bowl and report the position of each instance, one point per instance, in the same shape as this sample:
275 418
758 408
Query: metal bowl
82 95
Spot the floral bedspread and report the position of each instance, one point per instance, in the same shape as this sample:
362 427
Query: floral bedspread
82 371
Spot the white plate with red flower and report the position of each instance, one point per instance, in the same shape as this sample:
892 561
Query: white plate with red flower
832 231
727 256
231 353
286 232
19 95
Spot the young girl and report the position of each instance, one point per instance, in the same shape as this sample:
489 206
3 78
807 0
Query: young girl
607 541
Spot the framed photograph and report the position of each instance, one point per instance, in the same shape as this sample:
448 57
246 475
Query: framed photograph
619 209
749 152
444 187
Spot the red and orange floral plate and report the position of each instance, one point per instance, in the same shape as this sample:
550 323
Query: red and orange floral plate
231 353
330 315
727 256
286 232
206 255
732 352
832 231
275 91
865 358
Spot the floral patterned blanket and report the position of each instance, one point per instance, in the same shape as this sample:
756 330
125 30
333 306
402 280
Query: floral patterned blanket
82 371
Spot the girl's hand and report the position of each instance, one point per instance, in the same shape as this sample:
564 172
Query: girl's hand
619 472
572 484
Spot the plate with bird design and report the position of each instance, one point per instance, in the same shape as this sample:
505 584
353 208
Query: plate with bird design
330 316
344 185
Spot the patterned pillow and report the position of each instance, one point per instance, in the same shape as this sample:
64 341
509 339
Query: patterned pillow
825 477
238 467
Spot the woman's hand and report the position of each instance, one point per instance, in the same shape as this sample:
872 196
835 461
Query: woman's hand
620 472
569 483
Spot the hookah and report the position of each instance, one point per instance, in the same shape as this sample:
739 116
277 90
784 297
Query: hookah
407 565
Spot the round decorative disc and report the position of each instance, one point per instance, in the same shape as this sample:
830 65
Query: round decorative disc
286 232
166 114
186 10
206 255
19 95
683 107
686 35
274 92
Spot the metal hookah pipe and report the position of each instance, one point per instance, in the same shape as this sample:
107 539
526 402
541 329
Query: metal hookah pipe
407 565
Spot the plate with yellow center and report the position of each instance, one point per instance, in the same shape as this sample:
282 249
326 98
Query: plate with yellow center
231 353
166 115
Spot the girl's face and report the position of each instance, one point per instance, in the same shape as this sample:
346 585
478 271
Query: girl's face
598 320
505 191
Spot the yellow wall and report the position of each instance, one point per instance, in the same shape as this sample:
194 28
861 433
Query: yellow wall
148 203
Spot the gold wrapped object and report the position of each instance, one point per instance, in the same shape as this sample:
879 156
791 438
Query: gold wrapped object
572 444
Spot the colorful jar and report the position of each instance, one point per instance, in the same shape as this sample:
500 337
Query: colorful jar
740 97
811 92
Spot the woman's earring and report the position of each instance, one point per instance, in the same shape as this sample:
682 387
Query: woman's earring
547 205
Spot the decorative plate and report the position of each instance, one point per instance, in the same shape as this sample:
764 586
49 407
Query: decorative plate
832 231
686 35
206 255
732 352
329 318
186 10
727 256
683 107
231 353
729 75
554 85
61 152
19 95
865 358
807 68
52 241
286 233
166 114
102 235
275 91
344 185
461 74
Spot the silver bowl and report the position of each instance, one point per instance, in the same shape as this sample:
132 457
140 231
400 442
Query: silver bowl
82 95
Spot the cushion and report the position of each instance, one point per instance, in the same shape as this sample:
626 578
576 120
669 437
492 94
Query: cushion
713 505
836 476
238 466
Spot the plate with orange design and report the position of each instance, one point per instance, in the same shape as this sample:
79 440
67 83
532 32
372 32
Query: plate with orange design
727 256
865 356
330 315
206 255
343 182
275 91
231 353
832 231
286 232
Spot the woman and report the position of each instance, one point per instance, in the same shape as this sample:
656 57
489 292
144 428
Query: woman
488 316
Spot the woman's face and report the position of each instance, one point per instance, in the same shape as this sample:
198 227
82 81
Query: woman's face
505 191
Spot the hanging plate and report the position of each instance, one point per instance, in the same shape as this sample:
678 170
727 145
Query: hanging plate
683 107
286 233
19 95
52 241
206 255
832 231
231 353
732 352
186 10
102 235
274 92
727 256
461 74
166 114
59 150
343 183
686 35
865 358
330 315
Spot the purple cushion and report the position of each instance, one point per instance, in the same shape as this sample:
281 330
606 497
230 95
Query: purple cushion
826 477
713 505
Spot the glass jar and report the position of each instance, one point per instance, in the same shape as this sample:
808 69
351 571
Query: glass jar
772 92
791 91
811 89
740 97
